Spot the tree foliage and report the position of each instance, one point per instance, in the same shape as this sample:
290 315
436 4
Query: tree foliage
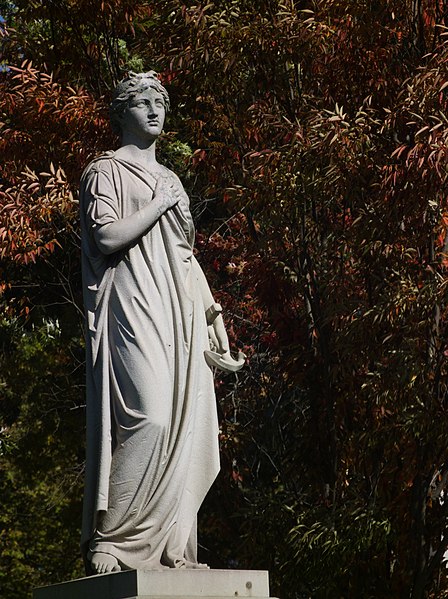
312 138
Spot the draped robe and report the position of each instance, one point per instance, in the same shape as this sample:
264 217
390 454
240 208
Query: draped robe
152 433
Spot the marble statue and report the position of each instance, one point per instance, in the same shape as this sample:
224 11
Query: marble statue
153 333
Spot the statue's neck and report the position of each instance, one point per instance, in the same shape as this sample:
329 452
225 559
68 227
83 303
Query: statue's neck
144 156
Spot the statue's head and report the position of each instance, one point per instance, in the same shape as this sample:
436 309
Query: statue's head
127 89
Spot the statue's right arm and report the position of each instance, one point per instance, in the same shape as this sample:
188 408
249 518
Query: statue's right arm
121 233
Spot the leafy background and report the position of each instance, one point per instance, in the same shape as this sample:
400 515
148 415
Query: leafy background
311 136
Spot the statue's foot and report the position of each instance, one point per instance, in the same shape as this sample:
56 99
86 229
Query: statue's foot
199 566
102 563
196 566
181 564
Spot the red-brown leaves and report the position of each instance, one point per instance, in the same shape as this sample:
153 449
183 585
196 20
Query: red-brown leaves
33 213
44 122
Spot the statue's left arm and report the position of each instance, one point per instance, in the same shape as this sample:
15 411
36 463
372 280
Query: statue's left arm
217 329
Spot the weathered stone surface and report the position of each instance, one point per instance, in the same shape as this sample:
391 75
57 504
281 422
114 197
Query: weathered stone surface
172 583
152 428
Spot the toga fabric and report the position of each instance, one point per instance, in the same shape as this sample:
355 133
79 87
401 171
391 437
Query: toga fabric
152 432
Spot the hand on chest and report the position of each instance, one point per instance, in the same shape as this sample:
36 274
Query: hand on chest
138 193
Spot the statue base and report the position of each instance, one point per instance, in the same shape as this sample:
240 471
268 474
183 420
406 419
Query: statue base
166 584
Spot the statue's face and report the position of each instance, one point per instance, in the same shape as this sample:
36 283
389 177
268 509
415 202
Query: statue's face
144 116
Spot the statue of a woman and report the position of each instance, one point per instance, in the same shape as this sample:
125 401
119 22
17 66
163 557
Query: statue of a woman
152 449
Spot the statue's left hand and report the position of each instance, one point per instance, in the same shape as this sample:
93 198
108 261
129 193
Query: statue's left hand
219 335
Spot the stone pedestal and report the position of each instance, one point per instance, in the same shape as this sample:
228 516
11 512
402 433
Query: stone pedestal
167 584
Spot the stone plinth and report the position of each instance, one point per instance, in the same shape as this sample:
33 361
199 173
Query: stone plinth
167 584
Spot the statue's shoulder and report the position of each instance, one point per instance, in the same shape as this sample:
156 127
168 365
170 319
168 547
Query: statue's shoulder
168 172
101 164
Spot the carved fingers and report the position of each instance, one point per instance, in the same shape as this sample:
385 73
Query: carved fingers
167 192
218 335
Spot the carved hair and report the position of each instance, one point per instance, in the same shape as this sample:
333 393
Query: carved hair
128 88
